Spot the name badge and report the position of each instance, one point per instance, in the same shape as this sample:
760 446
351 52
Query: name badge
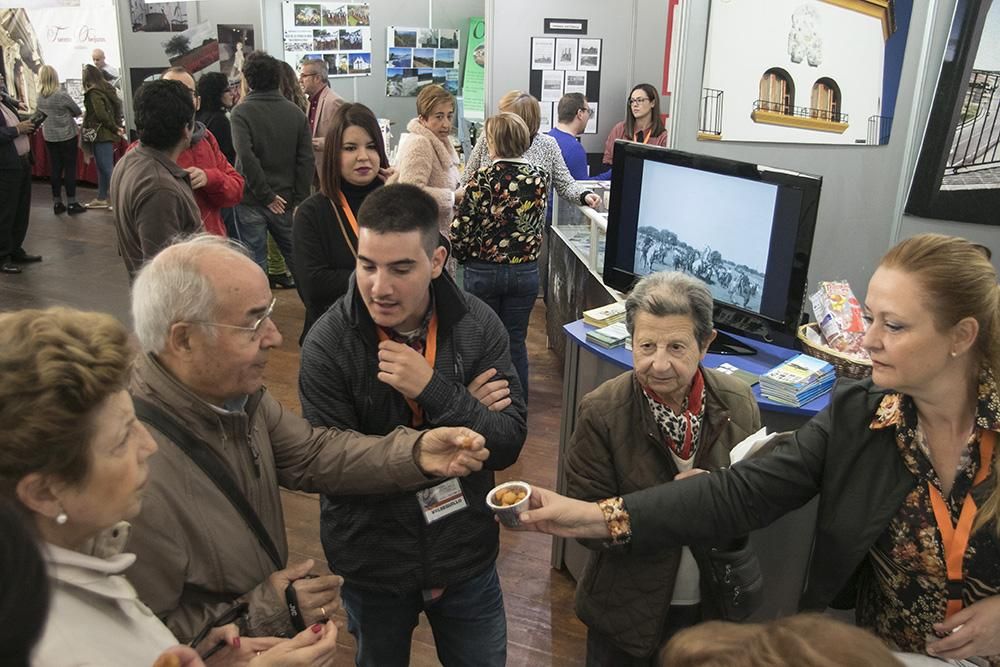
439 501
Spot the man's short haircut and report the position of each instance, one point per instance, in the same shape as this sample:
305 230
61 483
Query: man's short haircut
402 208
163 109
321 67
261 71
172 287
569 105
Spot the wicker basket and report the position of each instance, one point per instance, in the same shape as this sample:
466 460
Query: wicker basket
845 366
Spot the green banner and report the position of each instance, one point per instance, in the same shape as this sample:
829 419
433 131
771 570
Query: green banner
474 81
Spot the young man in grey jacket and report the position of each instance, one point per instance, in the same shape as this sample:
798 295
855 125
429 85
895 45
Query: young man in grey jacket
406 347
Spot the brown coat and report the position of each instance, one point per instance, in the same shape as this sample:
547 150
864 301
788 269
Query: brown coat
616 449
196 555
152 202
427 161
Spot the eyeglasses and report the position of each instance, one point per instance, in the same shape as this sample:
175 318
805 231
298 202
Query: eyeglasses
638 100
588 111
306 75
253 329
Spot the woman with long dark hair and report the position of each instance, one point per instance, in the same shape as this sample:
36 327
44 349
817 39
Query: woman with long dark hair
325 233
642 123
216 101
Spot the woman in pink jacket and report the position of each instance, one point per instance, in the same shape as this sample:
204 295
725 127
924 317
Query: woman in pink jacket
427 158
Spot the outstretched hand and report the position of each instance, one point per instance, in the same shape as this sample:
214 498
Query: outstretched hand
451 451
549 512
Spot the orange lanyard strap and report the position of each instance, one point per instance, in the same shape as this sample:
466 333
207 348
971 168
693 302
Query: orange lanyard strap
645 140
430 354
345 207
955 538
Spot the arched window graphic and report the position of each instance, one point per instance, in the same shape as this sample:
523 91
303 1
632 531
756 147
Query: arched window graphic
777 92
825 100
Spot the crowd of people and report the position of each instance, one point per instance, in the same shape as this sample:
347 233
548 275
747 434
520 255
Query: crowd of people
139 485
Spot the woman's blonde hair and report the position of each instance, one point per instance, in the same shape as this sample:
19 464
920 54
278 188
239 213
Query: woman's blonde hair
958 281
57 366
430 97
508 135
803 640
524 105
48 80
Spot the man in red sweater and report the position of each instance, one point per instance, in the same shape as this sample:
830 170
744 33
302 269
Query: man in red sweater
215 183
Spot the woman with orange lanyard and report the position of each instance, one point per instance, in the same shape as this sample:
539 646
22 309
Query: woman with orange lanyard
325 230
904 465
642 122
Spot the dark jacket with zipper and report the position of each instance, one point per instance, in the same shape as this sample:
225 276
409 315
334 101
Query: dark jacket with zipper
857 471
382 542
616 449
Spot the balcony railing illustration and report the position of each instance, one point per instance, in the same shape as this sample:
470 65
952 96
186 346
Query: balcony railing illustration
711 112
800 112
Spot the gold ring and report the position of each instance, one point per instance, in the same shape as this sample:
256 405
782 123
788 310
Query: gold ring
322 610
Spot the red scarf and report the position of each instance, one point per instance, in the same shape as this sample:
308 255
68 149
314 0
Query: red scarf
681 430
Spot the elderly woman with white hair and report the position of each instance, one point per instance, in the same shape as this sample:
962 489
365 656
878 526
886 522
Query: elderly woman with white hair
648 426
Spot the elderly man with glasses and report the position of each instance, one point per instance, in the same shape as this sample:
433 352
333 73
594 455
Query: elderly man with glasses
323 103
211 533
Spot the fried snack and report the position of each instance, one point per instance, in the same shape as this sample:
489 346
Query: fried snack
509 496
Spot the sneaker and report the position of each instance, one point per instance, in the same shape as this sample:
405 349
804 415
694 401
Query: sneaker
98 203
76 207
58 208
281 281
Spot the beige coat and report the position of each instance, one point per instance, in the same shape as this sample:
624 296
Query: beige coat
427 161
196 555
328 104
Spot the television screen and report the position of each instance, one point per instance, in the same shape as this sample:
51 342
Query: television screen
745 230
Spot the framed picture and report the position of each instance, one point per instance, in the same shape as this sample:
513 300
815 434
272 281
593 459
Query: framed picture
958 171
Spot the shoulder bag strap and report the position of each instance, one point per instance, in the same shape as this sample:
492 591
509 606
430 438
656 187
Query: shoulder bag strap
343 230
212 465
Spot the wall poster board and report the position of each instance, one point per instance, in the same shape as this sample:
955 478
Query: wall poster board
418 57
473 81
338 33
561 65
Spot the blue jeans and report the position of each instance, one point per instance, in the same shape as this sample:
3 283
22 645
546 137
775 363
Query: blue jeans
254 222
104 156
468 622
510 290
229 220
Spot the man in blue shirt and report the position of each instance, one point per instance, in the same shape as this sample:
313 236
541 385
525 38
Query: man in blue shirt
573 113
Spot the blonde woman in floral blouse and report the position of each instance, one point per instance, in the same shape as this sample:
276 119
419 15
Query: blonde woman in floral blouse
904 464
498 231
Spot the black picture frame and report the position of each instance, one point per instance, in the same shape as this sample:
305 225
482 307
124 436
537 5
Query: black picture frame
927 198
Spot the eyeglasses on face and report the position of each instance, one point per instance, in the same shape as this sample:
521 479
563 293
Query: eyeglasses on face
253 330
638 100
306 75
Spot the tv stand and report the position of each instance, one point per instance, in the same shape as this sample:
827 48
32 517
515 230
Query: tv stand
726 344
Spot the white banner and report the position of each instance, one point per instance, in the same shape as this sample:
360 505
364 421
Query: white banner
68 35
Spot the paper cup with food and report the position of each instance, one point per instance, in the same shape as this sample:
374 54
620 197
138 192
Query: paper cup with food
508 500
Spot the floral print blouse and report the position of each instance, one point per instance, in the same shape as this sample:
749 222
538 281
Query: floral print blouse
501 217
904 593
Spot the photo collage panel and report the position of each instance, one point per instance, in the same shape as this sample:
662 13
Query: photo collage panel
338 33
417 57
566 65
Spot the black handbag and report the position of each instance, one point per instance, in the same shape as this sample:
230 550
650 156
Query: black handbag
734 579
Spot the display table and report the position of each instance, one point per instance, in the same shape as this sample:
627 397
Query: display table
783 547
85 173
574 264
